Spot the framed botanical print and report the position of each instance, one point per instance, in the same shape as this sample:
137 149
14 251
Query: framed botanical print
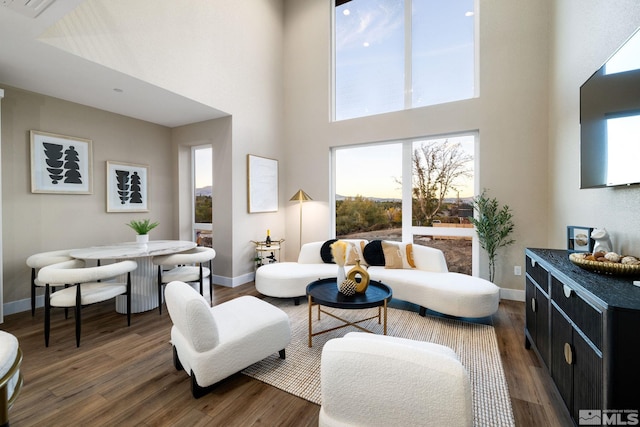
60 164
127 187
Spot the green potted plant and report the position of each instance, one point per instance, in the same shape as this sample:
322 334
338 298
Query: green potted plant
493 224
142 229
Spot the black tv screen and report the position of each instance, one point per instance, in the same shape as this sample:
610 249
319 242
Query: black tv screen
610 120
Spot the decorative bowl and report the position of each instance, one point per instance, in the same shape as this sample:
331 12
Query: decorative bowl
613 268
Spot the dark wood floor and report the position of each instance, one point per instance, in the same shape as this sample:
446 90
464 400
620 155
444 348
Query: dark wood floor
125 376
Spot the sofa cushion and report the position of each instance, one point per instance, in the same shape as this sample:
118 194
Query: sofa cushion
354 253
398 255
373 253
325 251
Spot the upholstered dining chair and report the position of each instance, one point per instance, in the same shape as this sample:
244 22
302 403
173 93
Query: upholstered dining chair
185 267
90 285
43 259
10 375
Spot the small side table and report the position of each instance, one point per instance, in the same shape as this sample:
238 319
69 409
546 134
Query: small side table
267 254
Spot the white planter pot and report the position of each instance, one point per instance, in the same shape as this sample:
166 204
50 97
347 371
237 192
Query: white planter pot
142 238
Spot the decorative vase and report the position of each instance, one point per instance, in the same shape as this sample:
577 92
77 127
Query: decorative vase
142 239
356 271
342 275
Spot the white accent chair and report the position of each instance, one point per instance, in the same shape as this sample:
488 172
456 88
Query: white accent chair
378 380
185 267
92 285
10 375
212 343
43 259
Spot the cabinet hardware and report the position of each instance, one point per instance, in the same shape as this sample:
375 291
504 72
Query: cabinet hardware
567 291
534 305
568 353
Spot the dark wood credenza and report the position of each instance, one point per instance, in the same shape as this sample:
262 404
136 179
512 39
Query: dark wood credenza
585 328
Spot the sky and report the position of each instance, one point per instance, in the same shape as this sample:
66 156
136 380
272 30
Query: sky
203 167
370 78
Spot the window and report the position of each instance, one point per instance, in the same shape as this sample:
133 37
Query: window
202 161
391 55
418 190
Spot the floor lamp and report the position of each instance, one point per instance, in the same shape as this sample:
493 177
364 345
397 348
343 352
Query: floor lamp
301 197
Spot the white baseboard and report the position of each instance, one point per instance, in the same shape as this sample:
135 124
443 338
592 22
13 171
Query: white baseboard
512 294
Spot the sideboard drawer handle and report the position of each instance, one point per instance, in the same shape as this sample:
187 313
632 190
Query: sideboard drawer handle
568 353
533 263
534 305
567 291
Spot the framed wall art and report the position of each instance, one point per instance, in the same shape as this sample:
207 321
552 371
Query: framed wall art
262 183
60 164
127 187
579 239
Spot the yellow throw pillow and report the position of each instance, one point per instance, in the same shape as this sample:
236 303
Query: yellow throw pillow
398 255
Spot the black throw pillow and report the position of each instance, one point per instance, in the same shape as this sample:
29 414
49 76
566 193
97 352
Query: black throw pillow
325 251
373 253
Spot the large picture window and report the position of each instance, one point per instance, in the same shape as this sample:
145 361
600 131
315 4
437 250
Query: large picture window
418 190
391 55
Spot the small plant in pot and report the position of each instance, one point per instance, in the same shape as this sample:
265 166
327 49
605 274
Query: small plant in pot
493 224
142 228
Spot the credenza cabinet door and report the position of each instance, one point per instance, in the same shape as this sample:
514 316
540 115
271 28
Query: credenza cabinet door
561 347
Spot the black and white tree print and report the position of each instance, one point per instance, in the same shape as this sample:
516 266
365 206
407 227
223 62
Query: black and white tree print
136 195
72 165
65 170
122 185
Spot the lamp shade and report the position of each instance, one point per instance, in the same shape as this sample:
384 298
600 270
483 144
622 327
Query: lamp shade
300 196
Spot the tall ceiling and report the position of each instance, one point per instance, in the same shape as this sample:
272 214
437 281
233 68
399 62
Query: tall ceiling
26 62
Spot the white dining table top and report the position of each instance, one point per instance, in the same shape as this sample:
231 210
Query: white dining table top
133 249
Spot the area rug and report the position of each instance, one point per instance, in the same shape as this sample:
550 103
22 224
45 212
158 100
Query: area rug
475 344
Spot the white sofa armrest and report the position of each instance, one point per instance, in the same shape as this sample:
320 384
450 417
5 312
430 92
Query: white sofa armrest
429 259
310 253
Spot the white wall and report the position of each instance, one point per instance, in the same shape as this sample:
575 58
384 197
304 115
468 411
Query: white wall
510 114
585 34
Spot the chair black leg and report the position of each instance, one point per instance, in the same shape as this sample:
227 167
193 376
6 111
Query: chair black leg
129 299
200 281
210 283
33 292
78 310
282 354
47 315
66 309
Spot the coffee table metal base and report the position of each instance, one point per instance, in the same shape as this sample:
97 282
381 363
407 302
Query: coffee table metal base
382 317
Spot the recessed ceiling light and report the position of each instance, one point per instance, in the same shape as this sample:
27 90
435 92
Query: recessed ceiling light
365 44
346 12
470 13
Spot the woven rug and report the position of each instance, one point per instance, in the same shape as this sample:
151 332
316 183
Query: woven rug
475 344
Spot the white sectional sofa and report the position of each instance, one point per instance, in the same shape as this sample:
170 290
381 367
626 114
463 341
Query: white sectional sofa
429 285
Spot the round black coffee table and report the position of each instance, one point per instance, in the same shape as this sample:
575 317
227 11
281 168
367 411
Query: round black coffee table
324 292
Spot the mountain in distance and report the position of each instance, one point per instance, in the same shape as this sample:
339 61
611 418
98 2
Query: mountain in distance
467 200
204 191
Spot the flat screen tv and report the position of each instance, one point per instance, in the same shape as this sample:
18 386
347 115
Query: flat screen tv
610 120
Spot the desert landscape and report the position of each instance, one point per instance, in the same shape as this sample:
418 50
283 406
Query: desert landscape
457 252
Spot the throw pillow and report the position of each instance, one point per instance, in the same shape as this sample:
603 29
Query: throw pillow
373 253
355 253
398 255
325 252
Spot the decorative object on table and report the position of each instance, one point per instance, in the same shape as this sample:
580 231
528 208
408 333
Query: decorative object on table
339 251
142 228
607 263
267 254
348 287
361 272
267 241
60 164
262 184
301 197
127 187
579 240
602 240
493 225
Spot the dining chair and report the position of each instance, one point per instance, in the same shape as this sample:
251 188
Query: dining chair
39 260
90 285
185 267
10 375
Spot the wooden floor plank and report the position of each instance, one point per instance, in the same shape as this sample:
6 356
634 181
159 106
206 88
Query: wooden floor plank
125 376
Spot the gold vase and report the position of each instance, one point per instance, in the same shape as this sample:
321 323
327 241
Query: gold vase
356 271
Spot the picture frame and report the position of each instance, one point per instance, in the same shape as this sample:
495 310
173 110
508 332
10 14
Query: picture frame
60 164
262 184
127 187
579 239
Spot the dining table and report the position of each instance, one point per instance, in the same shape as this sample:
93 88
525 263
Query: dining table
144 285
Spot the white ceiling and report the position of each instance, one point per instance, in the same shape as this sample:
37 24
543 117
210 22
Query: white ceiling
32 65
